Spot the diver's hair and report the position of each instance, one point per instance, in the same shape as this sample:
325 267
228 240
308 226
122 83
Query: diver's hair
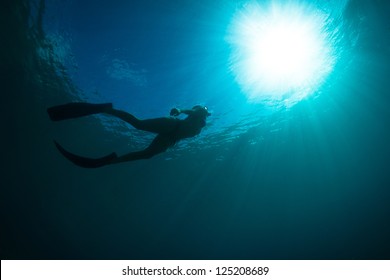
200 107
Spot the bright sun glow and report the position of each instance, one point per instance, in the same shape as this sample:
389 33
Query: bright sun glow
280 52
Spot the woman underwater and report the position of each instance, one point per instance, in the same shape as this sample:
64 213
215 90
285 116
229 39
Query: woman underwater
169 130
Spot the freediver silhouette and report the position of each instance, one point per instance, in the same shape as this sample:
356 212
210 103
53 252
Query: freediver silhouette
169 130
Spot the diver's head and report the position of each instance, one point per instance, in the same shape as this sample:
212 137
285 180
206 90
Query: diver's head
202 110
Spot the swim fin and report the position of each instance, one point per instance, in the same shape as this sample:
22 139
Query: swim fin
76 110
84 161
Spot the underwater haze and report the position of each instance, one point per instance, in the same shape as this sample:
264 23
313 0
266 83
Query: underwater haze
285 176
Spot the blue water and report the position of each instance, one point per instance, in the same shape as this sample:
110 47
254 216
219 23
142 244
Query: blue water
262 181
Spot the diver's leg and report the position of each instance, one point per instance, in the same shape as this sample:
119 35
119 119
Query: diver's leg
159 145
158 125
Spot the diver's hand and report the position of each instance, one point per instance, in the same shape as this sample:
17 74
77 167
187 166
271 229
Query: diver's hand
175 112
